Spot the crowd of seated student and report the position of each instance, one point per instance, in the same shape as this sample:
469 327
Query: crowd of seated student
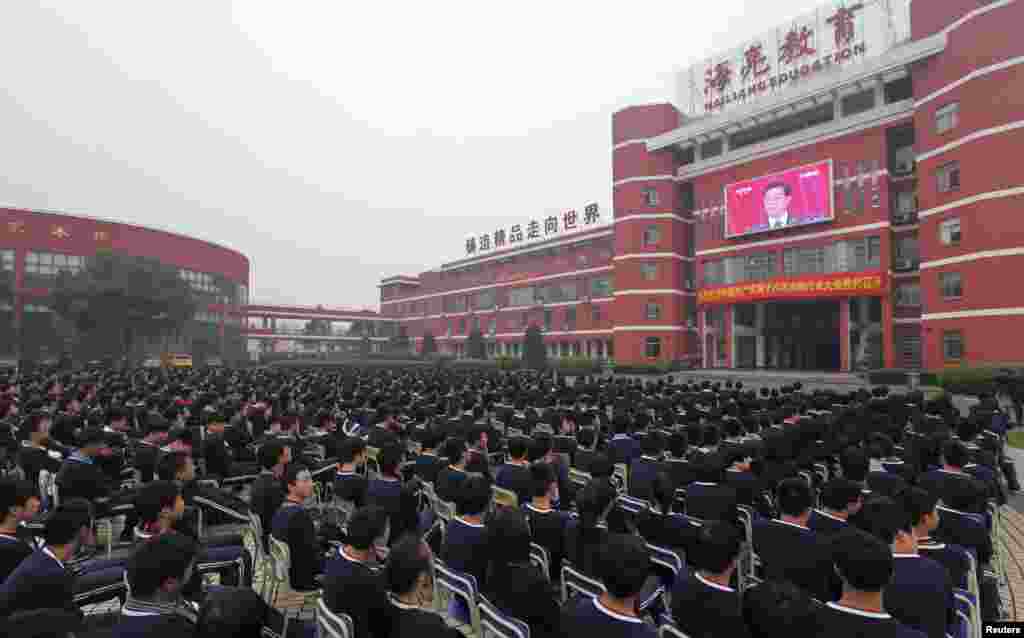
695 453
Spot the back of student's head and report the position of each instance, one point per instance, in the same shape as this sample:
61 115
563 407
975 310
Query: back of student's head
863 561
594 502
883 518
454 450
918 504
623 565
270 453
365 526
474 496
154 562
542 476
653 444
965 496
774 609
793 497
540 447
41 623
663 492
839 494
586 437
854 463
13 494
955 454
517 446
718 545
231 612
601 466
390 457
170 464
408 561
508 537
65 524
154 497
350 448
678 443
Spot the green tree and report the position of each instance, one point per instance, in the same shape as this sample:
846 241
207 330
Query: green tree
475 348
535 355
117 299
429 345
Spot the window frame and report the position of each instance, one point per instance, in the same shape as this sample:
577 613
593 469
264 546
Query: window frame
950 111
947 339
649 271
944 182
648 306
656 343
650 196
943 276
946 238
652 230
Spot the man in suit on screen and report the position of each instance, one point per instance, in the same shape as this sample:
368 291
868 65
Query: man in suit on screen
777 198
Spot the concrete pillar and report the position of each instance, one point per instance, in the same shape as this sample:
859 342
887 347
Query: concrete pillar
888 341
759 326
879 92
844 334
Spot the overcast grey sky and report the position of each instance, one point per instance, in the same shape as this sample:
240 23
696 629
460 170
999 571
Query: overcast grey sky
335 143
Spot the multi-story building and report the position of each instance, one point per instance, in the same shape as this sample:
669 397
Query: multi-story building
835 194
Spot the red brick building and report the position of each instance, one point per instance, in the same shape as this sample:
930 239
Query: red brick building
37 245
904 259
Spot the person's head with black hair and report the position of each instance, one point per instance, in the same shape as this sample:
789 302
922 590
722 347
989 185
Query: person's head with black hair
474 498
366 529
409 573
601 467
18 502
880 446
159 506
351 454
176 466
540 447
476 438
298 483
623 564
41 623
517 449
653 445
390 459
889 522
160 569
865 564
663 493
274 456
964 496
678 444
545 485
955 456
594 503
433 440
67 527
708 471
794 499
455 452
36 427
92 442
710 436
855 464
842 498
718 548
231 611
778 608
922 507
586 438
508 538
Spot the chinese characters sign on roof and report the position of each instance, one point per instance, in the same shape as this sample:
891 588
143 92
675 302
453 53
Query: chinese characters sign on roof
534 230
837 34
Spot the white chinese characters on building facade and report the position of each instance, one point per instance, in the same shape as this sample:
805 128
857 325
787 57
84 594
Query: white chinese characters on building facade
535 229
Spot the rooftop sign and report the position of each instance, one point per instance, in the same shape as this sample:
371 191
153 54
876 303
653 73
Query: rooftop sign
534 230
840 33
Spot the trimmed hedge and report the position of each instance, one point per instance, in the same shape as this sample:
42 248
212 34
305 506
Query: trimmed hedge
972 381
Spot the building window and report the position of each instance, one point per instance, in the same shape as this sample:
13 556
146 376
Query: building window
462 326
548 315
947 177
484 300
949 232
521 296
711 148
952 345
649 271
570 319
7 260
652 235
492 326
199 281
49 264
947 117
35 308
908 295
601 287
858 102
652 347
650 196
652 311
595 313
951 285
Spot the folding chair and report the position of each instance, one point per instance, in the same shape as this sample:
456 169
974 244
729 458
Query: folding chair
452 586
495 624
372 464
504 498
620 475
968 604
579 479
332 625
578 583
252 539
434 537
539 556
669 562
632 505
279 593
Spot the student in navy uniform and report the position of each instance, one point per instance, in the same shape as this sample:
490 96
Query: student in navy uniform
779 608
623 448
157 575
585 534
15 506
840 499
293 525
548 524
450 479
960 526
408 577
514 584
80 476
428 463
661 526
920 594
704 605
866 567
38 453
948 481
707 498
643 470
789 550
465 541
43 579
352 581
623 568
267 491
477 442
350 483
514 474
41 623
924 515
400 501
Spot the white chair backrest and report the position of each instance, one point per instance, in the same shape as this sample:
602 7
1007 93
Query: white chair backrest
495 624
670 631
281 561
332 625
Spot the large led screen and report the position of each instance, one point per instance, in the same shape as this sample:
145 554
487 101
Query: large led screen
796 197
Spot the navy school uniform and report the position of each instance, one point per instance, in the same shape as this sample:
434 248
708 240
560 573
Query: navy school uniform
702 609
623 449
583 553
953 557
356 588
350 486
293 525
887 483
587 617
81 477
747 486
964 530
711 501
265 498
399 501
549 532
642 473
428 466
672 531
822 522
13 550
449 482
465 549
836 621
40 581
794 553
920 595
141 619
516 478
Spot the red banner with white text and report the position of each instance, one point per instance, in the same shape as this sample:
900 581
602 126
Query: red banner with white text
808 287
